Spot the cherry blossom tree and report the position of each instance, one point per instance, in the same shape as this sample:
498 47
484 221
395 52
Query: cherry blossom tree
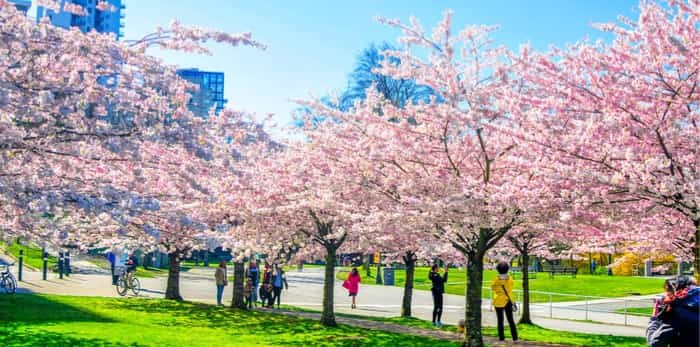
621 118
447 162
302 198
100 131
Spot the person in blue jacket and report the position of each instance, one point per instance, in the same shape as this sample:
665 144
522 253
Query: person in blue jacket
676 318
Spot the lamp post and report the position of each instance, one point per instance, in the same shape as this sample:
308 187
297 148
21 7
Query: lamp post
21 262
46 261
60 265
66 263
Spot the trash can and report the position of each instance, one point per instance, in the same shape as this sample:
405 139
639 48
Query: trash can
388 276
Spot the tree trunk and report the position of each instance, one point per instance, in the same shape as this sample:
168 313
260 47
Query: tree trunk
472 321
172 290
525 317
696 252
237 299
378 279
328 315
410 261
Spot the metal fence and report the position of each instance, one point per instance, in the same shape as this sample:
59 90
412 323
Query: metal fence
625 311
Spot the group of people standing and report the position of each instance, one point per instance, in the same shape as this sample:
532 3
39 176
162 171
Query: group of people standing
502 287
674 322
264 285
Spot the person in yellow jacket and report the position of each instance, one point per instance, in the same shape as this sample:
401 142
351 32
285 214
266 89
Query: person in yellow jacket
502 287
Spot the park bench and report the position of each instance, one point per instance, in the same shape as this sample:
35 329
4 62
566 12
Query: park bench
560 270
516 271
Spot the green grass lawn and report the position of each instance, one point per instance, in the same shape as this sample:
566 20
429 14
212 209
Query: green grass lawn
525 332
592 285
192 263
32 255
640 311
48 320
294 268
151 272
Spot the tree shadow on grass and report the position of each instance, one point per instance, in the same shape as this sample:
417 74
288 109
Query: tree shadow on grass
16 335
273 329
23 315
37 309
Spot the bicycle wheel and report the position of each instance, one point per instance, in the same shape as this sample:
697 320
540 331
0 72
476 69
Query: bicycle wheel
122 286
135 286
14 283
8 285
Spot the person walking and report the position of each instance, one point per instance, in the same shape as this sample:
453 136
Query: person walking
112 265
265 287
254 275
248 293
278 280
676 318
438 289
352 284
221 281
502 287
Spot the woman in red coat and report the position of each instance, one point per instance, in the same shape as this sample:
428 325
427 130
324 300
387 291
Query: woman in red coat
352 284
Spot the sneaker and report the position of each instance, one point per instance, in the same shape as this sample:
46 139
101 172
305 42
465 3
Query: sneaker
434 324
439 324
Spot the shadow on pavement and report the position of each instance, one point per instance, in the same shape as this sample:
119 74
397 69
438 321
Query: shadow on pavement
152 291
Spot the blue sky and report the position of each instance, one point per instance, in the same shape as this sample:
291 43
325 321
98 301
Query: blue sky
313 44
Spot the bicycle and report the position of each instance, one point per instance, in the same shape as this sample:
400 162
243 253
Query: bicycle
7 280
127 281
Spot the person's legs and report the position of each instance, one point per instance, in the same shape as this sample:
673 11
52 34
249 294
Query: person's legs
278 295
219 294
270 292
499 317
439 309
353 300
263 296
254 295
511 322
435 307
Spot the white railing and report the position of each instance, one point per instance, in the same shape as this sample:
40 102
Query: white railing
583 307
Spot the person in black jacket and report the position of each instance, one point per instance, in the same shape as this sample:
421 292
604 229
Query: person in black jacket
437 289
676 318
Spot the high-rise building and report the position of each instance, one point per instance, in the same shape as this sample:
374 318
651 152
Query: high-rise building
95 19
22 5
210 93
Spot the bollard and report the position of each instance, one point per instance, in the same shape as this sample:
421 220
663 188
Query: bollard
114 278
60 265
21 261
66 264
46 260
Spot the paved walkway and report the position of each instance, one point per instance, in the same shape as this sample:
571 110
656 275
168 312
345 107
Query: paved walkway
305 290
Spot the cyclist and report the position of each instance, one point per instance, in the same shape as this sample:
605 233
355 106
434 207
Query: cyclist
131 264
